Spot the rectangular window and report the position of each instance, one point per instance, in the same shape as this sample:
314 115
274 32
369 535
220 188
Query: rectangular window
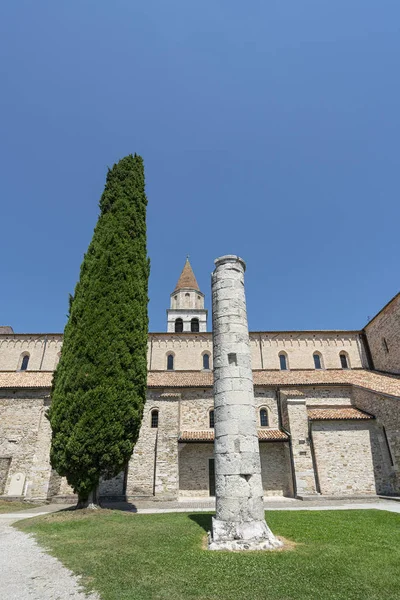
232 359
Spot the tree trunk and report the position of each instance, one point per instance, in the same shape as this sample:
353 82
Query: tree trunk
92 501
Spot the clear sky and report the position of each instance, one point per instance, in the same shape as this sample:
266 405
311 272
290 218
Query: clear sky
268 129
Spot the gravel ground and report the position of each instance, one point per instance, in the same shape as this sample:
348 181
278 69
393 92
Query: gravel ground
28 573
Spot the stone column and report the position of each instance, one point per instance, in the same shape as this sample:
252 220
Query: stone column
239 523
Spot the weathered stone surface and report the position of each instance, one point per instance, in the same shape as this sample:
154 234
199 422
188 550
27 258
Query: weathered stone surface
239 521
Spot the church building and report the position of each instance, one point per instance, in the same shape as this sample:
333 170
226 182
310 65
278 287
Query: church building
328 410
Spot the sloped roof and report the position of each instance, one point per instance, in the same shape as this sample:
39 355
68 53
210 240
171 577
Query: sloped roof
337 414
187 278
6 329
26 379
370 380
207 435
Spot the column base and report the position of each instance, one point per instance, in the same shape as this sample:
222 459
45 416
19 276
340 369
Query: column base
238 536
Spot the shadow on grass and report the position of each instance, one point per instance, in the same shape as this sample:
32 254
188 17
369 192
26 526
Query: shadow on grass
204 521
123 506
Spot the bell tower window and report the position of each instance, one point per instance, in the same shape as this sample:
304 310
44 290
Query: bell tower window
178 326
194 326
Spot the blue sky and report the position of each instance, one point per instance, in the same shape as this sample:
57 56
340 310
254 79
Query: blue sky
268 129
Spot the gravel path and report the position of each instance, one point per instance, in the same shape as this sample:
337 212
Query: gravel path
28 573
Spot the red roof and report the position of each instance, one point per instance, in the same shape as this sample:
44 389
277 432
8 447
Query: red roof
337 414
187 278
207 435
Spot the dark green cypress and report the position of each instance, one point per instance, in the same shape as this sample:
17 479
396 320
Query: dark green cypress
99 386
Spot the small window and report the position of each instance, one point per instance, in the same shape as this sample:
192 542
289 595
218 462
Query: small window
283 361
170 362
206 361
343 360
187 295
154 419
232 359
317 361
178 326
211 419
263 417
385 345
194 325
25 362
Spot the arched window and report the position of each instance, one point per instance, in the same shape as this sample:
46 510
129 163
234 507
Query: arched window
211 419
317 360
178 326
25 362
206 361
344 361
263 417
283 361
154 419
170 362
194 325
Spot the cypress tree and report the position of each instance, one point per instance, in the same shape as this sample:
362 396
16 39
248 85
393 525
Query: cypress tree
99 386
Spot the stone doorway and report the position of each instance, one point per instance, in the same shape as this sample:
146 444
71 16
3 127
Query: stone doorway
211 476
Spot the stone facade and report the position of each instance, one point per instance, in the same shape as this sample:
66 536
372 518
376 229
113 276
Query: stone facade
339 457
383 336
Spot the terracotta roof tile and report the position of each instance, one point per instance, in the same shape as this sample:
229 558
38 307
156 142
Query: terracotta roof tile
337 414
207 435
26 379
370 380
187 278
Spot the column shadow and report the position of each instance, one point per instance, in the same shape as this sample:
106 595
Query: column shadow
203 520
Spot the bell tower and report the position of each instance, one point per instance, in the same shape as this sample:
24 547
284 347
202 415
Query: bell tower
187 312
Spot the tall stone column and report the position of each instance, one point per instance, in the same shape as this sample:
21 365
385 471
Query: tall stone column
239 523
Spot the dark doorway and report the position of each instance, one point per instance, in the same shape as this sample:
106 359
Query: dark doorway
211 476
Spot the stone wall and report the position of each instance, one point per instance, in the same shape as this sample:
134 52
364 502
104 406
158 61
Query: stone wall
153 468
43 351
386 409
195 406
189 348
349 458
23 439
299 348
265 350
194 469
275 469
383 335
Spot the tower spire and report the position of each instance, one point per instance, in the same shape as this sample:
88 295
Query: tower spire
187 278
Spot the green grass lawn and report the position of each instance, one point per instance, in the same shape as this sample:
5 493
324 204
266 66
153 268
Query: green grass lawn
344 555
13 506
